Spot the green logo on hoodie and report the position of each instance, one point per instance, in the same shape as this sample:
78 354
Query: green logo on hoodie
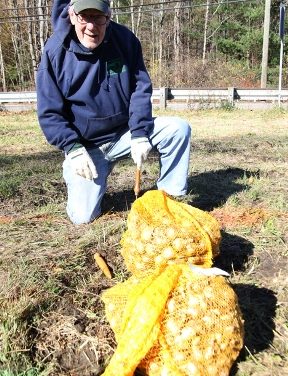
115 66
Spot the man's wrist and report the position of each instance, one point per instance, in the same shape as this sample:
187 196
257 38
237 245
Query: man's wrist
138 140
74 147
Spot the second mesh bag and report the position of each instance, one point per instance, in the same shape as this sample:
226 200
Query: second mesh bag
178 323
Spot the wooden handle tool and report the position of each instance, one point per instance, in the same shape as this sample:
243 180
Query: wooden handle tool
137 181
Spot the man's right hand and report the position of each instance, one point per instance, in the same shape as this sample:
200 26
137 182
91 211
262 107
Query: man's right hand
82 163
140 148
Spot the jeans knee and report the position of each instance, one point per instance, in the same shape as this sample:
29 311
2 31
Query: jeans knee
80 217
182 129
185 129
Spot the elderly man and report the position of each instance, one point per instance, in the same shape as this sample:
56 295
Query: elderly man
94 103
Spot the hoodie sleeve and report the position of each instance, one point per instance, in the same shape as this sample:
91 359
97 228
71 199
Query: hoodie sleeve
59 16
53 110
140 110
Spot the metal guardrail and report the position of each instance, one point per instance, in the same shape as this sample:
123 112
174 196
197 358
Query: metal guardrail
18 97
166 97
185 98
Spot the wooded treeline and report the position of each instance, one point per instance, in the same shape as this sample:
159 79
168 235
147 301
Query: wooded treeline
199 43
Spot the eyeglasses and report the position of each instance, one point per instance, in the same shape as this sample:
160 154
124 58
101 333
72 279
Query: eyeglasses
96 19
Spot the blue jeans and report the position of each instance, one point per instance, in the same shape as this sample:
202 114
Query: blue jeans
171 137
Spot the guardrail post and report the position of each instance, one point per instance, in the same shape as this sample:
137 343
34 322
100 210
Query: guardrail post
163 97
231 92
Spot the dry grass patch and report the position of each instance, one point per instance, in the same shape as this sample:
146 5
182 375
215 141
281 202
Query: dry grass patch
52 320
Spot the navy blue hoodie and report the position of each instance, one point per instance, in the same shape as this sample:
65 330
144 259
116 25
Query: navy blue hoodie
89 97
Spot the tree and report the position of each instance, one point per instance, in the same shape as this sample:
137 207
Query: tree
184 42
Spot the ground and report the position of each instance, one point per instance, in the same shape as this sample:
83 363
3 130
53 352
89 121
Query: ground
52 316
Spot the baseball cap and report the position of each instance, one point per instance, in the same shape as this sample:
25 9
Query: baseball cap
102 5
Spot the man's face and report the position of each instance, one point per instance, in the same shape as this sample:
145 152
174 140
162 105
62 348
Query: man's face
90 26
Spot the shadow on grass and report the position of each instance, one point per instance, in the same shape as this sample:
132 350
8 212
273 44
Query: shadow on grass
54 156
118 201
213 188
234 253
209 190
258 306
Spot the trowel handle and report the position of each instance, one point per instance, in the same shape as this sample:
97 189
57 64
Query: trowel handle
137 181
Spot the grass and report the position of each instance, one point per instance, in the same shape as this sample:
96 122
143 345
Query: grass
52 319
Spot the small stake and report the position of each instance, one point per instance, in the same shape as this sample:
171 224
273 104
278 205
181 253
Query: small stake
102 265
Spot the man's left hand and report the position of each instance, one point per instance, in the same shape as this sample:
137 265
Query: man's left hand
140 148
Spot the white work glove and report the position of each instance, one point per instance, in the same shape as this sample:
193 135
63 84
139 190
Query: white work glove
82 163
140 148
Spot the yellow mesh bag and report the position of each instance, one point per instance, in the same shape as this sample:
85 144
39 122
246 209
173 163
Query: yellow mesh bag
178 323
201 332
137 327
168 319
162 231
